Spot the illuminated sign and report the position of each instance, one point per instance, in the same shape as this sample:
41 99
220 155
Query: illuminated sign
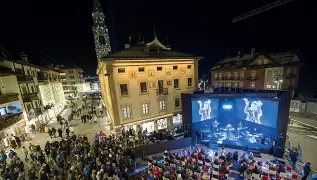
227 106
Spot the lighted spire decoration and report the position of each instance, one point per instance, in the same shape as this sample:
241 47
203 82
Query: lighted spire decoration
100 30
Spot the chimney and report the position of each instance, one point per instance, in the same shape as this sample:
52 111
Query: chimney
126 46
239 53
252 52
24 57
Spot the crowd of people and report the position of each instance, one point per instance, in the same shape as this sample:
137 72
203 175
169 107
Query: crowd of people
71 158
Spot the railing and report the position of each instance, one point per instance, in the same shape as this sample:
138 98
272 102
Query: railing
9 120
6 98
290 76
162 91
252 78
29 96
25 79
42 77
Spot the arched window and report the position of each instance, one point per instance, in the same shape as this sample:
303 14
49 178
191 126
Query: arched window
102 40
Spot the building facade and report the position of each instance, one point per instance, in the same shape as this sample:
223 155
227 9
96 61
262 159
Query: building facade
100 30
275 71
25 79
71 78
141 86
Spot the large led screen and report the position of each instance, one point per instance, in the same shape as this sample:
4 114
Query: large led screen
204 109
259 111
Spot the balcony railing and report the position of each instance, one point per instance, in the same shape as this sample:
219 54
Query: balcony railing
10 119
41 76
252 78
162 91
290 76
29 96
25 79
6 98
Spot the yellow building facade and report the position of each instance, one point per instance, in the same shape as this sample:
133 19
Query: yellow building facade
141 86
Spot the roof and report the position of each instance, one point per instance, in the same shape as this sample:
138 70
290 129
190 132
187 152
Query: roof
143 51
245 60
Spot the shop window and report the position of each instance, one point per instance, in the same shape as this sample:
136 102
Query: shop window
162 105
177 120
145 108
190 82
127 112
175 67
162 124
124 89
177 102
143 87
148 127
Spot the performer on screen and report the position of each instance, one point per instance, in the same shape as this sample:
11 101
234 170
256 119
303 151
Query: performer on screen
253 110
204 110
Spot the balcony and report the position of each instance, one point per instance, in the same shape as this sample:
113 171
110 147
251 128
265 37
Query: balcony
6 98
9 119
290 76
25 79
252 78
162 91
41 76
29 97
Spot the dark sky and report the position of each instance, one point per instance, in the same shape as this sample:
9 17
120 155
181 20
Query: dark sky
60 30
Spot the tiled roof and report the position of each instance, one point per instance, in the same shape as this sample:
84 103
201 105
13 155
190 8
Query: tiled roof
245 60
142 51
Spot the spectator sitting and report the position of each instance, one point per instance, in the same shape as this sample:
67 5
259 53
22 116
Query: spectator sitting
216 155
229 157
216 162
251 156
243 168
236 156
256 170
281 169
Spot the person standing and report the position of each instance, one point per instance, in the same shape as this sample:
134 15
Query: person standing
67 131
54 132
293 155
50 133
60 132
306 171
61 123
33 128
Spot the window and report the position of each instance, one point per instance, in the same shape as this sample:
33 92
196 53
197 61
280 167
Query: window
220 76
215 84
28 107
121 70
124 89
216 75
145 108
253 74
235 74
175 67
265 61
252 85
141 69
127 112
143 87
176 83
159 68
102 40
241 74
162 105
260 62
71 71
228 84
241 84
189 66
235 84
177 102
268 86
190 82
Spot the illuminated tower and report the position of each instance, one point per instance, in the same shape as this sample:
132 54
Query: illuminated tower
100 30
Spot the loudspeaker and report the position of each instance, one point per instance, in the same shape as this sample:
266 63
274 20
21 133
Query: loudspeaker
279 152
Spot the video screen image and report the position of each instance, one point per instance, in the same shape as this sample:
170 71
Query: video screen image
245 122
259 111
204 109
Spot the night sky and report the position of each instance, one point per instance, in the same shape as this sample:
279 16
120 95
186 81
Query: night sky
60 30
